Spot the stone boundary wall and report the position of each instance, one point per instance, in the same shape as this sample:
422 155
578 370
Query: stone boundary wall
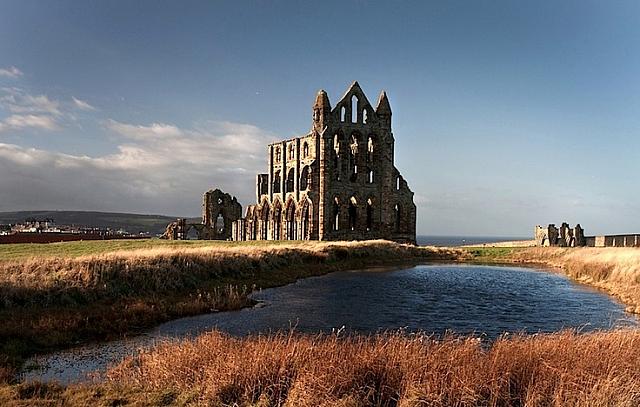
630 240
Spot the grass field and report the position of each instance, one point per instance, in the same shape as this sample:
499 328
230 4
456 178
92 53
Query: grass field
561 369
26 251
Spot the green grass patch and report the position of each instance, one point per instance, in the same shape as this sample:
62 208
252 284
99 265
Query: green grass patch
24 251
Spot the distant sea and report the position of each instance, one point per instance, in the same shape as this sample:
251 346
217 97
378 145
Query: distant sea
450 241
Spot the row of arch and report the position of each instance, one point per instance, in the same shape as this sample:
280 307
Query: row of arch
305 180
291 221
291 152
352 151
351 211
351 113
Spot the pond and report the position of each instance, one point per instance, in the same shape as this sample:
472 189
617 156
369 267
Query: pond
485 301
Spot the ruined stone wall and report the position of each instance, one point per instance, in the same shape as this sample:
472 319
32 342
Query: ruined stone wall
219 211
565 236
338 182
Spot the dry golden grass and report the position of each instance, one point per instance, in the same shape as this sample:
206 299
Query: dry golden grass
563 369
65 280
614 269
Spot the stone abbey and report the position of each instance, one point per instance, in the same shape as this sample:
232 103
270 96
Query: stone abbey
338 182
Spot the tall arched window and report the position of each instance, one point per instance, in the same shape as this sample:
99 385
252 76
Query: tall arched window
369 215
336 214
264 231
278 154
277 220
306 221
305 178
291 221
397 217
370 149
353 213
353 158
354 109
290 180
336 157
370 176
364 116
292 151
276 182
305 149
343 114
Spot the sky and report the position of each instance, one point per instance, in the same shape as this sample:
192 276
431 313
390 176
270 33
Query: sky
506 114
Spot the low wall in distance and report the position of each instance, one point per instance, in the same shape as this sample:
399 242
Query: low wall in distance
630 240
58 237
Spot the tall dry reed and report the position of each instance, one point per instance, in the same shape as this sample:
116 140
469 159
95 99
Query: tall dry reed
563 369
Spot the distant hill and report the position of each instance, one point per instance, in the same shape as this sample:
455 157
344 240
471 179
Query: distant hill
131 222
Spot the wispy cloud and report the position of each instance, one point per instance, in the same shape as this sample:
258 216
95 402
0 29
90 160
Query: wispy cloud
82 104
156 168
11 72
20 121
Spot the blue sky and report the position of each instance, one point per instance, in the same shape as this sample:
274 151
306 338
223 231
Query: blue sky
506 113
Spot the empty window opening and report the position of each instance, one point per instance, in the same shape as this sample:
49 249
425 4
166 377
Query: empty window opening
369 215
292 151
370 177
336 214
354 109
264 231
353 158
278 154
277 223
306 215
370 150
276 182
397 217
343 114
291 222
353 213
219 225
290 180
398 183
305 178
364 116
305 149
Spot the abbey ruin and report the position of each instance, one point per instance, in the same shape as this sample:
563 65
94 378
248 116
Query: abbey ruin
566 236
337 182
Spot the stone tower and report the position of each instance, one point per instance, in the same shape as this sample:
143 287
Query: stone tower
338 182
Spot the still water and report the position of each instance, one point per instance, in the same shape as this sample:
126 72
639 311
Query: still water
466 299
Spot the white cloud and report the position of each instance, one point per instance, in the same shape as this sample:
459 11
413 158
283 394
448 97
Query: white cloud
82 104
17 100
157 168
11 72
18 121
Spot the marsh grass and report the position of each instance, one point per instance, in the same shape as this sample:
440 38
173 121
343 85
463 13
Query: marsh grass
561 369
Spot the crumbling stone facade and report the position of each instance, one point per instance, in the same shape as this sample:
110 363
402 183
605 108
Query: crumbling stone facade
338 182
563 237
219 211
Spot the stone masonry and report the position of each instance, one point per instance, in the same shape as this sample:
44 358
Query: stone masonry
338 182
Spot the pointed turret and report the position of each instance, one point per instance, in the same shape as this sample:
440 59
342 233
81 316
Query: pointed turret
322 101
321 111
383 107
383 110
